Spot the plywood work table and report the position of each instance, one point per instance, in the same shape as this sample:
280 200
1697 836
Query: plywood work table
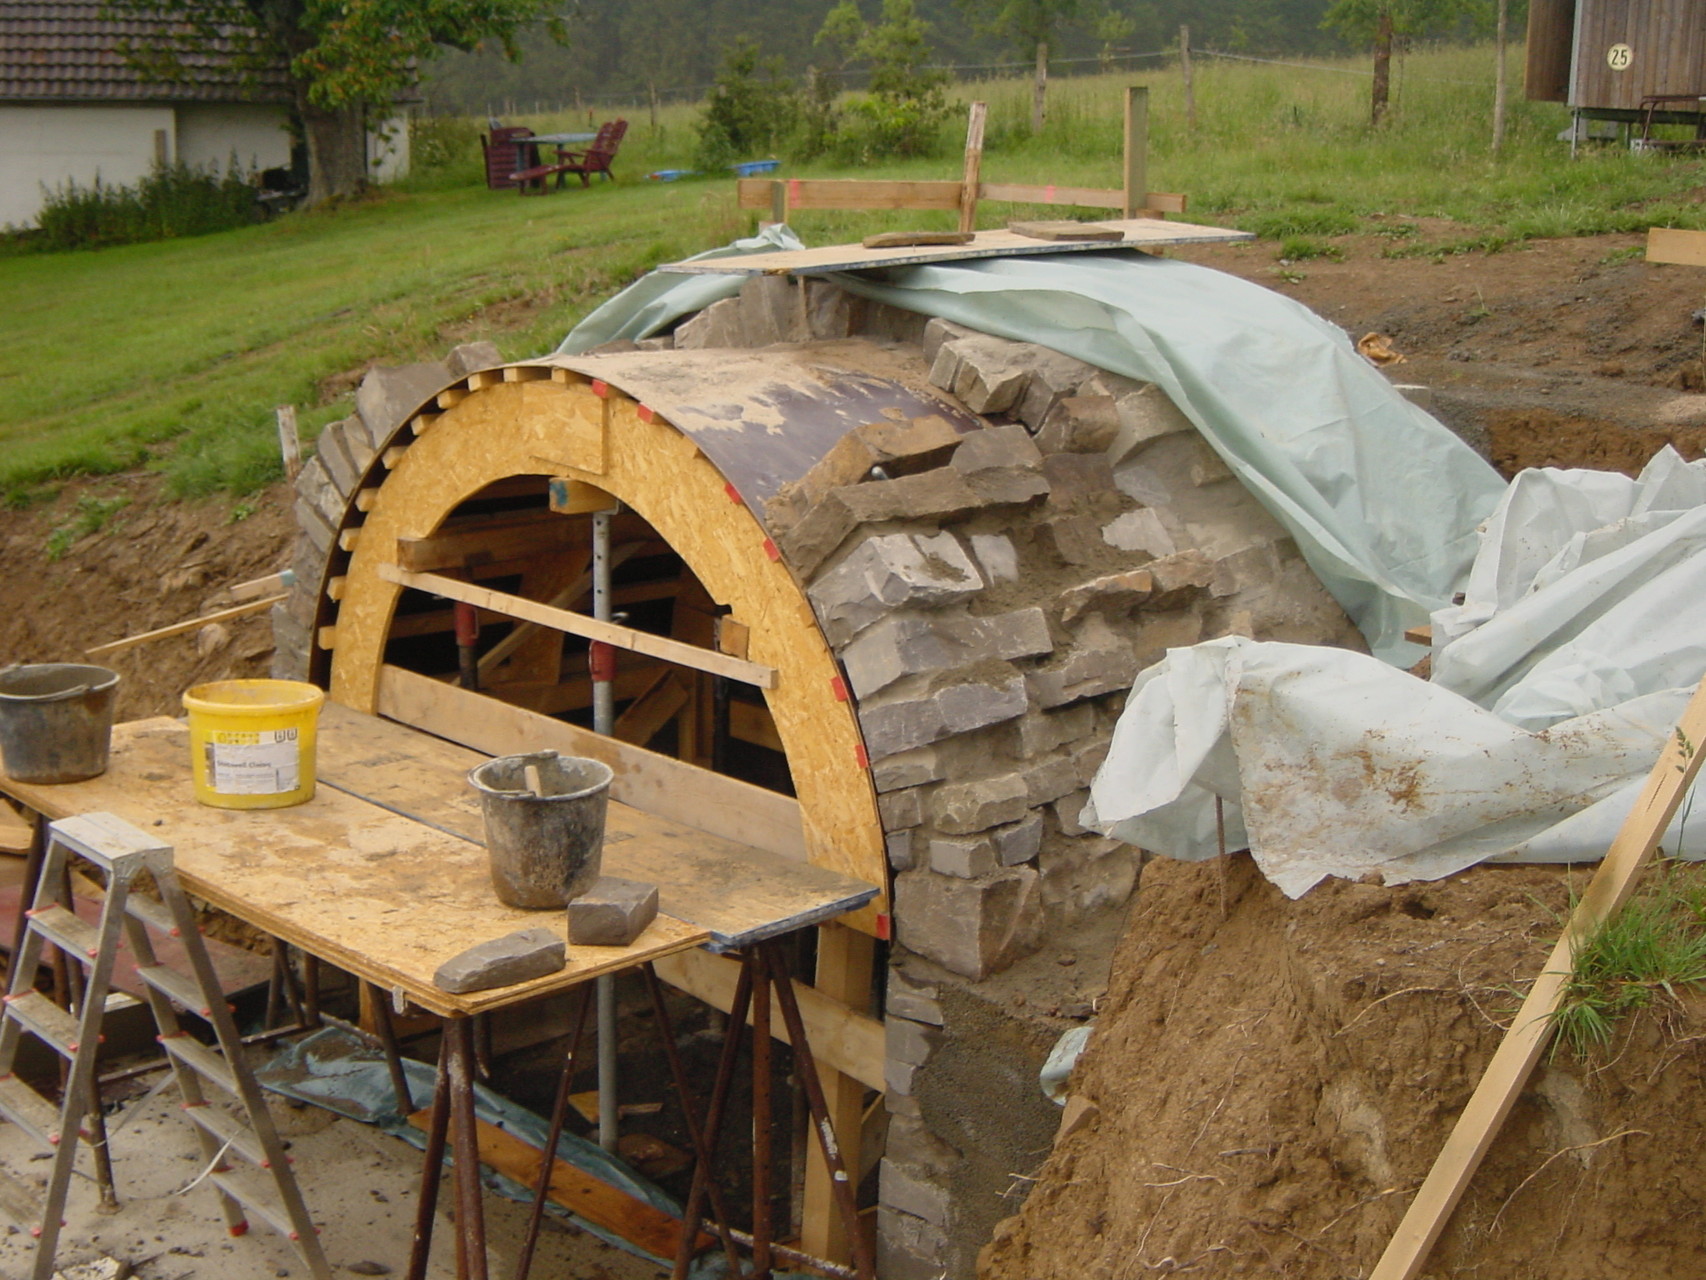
383 874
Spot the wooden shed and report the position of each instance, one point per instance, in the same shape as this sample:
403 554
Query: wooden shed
1604 57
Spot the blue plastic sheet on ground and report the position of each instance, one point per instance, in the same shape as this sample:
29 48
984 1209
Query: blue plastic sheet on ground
338 1069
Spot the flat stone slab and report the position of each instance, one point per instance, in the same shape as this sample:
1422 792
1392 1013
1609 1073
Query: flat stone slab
502 962
612 913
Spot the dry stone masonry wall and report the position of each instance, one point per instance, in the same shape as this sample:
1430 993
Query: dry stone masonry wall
991 598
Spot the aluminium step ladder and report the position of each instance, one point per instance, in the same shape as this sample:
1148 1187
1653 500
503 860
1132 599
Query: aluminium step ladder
122 852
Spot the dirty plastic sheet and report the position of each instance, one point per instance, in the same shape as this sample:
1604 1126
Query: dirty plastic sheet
336 1068
1382 500
1556 682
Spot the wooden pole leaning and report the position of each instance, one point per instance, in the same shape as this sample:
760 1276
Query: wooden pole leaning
974 166
1530 1030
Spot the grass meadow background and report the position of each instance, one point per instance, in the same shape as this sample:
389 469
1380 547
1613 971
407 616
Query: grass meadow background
173 355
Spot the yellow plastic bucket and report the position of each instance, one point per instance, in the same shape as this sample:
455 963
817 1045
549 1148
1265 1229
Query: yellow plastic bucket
252 742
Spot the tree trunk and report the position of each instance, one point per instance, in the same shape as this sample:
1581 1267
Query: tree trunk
337 151
1382 68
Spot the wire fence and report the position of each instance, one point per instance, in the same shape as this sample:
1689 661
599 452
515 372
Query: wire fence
644 97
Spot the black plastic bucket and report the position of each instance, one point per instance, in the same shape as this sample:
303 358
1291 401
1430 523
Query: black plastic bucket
56 721
545 849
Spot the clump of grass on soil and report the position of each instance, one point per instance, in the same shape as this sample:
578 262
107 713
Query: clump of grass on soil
1654 945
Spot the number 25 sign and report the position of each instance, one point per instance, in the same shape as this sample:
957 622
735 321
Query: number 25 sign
1619 56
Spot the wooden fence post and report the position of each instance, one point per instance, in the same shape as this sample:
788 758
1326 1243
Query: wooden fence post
974 166
289 443
1136 149
1185 70
1039 96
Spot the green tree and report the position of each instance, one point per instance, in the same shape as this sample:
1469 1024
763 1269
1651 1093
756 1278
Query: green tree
903 112
345 60
1380 22
750 110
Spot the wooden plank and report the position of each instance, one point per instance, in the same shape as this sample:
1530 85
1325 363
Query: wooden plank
905 239
681 792
371 891
752 723
849 1042
1136 183
583 1195
735 891
1419 635
16 833
844 961
580 624
1079 197
1066 230
487 538
850 193
1523 1044
270 585
653 709
178 628
1140 233
973 167
1669 244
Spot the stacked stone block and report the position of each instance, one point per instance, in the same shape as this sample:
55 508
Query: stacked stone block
344 454
991 597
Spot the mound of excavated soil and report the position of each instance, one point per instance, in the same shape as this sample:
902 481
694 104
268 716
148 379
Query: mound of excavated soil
1271 1080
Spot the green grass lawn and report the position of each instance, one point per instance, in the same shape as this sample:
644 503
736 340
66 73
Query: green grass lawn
175 354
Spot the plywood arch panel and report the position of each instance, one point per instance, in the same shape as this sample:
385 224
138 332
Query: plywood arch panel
537 423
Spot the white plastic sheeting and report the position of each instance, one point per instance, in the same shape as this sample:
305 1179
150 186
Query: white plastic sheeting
1556 681
1382 500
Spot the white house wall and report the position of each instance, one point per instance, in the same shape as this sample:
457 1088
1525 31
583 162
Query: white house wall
388 150
210 134
44 146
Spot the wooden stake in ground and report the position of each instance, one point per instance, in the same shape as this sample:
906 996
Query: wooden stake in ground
974 166
1039 95
289 443
1136 149
1481 1120
1499 77
1185 71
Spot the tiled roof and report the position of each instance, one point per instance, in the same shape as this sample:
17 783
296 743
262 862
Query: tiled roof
67 51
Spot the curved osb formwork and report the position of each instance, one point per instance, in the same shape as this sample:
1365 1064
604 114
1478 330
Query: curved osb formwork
554 422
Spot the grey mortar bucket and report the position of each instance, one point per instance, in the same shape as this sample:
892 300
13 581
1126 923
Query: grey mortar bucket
545 847
56 721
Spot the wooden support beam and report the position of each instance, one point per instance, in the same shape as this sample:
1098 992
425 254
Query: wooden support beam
580 1193
752 723
844 961
656 783
581 625
1668 244
1136 149
485 538
849 1042
974 165
850 193
1523 1044
178 628
661 702
1080 197
577 498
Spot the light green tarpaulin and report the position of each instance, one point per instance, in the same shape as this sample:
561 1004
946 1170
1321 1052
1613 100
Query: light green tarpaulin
1382 500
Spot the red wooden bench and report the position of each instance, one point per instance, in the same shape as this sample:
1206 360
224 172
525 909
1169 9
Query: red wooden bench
504 149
